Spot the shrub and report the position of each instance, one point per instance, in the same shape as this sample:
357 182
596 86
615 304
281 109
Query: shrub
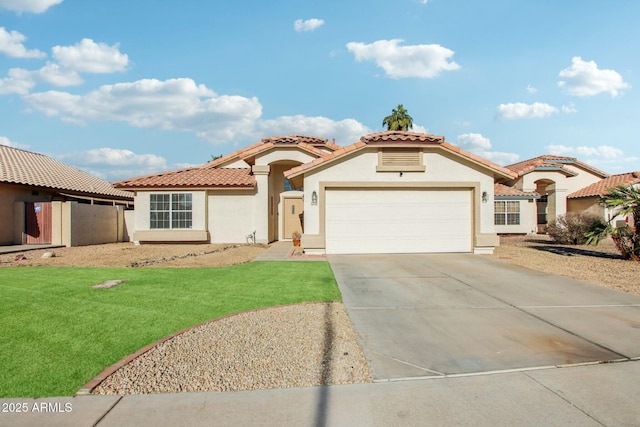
572 227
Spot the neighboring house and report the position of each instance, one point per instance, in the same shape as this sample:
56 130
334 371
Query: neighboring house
44 201
389 192
587 199
553 178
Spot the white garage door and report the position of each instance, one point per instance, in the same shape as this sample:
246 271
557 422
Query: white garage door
397 221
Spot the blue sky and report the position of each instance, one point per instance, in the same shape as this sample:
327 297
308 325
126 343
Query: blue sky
124 88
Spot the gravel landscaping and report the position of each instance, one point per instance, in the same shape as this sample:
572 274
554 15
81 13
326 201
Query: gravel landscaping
600 265
292 346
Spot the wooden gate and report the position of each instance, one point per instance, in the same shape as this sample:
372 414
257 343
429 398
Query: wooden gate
38 223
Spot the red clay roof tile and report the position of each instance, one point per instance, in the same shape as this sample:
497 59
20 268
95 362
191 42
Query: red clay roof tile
502 190
547 160
601 187
193 177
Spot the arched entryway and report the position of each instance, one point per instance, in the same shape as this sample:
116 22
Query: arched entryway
546 204
278 212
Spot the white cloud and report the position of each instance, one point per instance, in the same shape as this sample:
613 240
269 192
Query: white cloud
599 152
481 145
308 24
422 61
58 76
182 105
520 110
11 44
91 57
18 81
531 89
568 109
32 6
114 163
584 78
176 104
345 131
6 141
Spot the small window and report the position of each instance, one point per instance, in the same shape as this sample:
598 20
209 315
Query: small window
400 160
506 212
169 211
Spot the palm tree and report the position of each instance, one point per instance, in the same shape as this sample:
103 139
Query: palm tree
398 120
622 200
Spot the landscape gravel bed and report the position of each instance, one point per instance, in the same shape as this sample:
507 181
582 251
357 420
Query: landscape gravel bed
600 265
299 345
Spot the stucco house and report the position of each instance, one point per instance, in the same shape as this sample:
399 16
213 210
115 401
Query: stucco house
389 192
587 199
44 201
549 185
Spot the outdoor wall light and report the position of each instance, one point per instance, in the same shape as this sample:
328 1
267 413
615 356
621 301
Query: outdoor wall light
314 198
484 197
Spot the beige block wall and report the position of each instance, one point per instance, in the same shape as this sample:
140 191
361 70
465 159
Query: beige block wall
95 224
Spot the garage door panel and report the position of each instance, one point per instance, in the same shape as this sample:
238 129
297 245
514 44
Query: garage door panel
397 221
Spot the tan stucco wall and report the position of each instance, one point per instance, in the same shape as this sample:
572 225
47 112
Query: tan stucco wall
231 216
440 168
96 224
590 206
528 220
293 153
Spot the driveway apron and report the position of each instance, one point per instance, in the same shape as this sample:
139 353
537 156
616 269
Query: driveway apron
421 315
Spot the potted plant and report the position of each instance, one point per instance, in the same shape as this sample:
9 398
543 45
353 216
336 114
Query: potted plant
296 236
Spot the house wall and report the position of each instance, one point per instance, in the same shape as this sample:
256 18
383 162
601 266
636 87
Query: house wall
441 167
589 206
528 219
198 231
231 216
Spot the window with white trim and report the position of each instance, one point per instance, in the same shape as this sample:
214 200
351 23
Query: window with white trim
506 212
171 211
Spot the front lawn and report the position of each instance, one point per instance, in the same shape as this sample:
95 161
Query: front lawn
58 332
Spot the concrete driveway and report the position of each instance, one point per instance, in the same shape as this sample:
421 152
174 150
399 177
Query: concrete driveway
420 315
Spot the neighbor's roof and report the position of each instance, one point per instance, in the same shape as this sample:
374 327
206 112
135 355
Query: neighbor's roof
501 190
37 170
601 187
309 143
193 177
551 162
400 138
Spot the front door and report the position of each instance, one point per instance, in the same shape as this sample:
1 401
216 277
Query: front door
291 211
38 223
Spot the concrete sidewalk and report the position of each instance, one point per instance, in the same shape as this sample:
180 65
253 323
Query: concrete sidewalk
594 395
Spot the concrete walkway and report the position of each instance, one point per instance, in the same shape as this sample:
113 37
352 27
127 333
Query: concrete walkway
23 248
597 395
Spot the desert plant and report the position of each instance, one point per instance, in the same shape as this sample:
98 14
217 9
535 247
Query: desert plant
296 235
572 227
622 200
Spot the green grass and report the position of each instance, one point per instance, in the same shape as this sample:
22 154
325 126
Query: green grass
58 332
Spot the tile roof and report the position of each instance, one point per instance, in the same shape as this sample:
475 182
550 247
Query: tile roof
501 190
307 142
601 187
193 177
548 161
403 138
37 170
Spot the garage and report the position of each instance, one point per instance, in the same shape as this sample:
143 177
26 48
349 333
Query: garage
398 220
